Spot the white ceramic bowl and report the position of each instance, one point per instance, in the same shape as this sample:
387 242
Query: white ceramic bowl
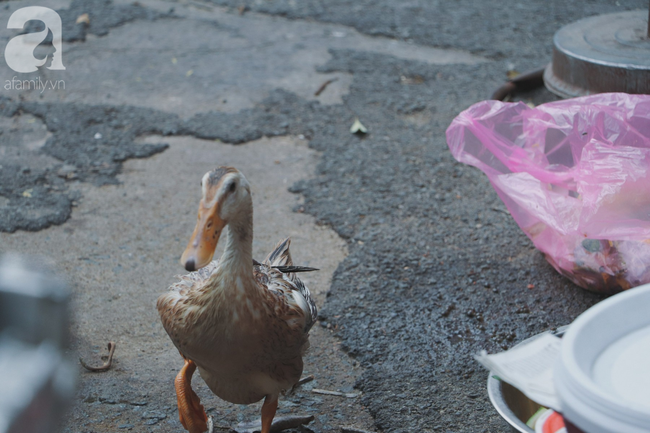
603 374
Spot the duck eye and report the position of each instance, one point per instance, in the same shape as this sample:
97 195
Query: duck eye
232 187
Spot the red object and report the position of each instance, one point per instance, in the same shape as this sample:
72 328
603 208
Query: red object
554 423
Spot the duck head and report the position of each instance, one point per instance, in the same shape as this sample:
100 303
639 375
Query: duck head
225 198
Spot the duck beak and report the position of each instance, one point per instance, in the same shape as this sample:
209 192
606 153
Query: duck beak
200 249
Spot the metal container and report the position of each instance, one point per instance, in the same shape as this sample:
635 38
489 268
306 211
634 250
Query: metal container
601 54
511 403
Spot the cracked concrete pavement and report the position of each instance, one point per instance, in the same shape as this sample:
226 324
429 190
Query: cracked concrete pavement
421 268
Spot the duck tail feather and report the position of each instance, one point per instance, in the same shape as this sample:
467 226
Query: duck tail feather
280 255
291 269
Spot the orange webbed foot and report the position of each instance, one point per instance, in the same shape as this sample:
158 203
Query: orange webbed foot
190 410
268 412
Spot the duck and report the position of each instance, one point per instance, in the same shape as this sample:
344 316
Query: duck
243 324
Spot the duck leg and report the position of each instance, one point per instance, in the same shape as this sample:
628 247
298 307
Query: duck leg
190 410
268 412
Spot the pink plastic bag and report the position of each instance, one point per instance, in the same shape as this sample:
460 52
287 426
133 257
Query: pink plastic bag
574 175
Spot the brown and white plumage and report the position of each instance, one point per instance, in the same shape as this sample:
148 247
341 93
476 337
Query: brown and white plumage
244 325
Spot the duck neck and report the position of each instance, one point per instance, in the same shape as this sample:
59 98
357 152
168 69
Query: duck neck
237 258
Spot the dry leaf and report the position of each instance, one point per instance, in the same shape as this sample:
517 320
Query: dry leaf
415 79
358 128
512 74
83 18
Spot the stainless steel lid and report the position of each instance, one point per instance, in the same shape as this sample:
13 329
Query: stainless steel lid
599 54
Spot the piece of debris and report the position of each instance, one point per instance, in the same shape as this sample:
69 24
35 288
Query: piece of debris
199 5
337 393
301 382
415 79
83 18
358 128
324 86
67 172
98 136
28 193
349 429
531 286
304 380
279 424
189 73
498 209
107 364
512 74
242 9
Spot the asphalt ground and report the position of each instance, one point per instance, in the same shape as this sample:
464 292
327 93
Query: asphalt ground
436 269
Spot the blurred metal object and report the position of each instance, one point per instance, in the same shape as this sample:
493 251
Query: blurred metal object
599 54
521 83
512 404
36 378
